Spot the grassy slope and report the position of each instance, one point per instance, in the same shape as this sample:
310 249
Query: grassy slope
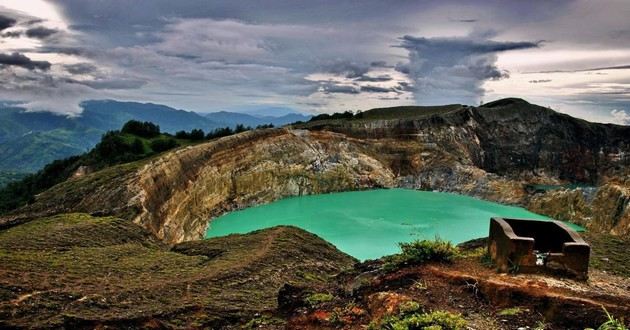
77 270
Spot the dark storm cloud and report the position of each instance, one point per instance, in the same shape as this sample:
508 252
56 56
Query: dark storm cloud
40 32
6 22
80 68
447 70
17 59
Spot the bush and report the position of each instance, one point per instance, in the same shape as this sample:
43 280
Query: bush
437 320
160 145
422 251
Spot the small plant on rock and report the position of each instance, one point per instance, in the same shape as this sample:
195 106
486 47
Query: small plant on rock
612 323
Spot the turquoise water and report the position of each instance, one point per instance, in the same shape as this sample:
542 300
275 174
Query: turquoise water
369 224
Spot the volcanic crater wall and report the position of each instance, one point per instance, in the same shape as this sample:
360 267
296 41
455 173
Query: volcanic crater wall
489 152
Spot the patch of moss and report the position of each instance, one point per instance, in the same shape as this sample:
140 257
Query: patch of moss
436 320
318 298
511 311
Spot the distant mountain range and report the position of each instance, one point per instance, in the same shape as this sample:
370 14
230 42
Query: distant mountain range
30 140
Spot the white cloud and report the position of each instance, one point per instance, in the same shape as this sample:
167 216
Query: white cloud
620 117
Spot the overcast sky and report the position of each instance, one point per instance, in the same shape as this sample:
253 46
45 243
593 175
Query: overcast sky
317 56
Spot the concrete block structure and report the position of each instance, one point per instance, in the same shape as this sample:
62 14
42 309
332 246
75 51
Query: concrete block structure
523 245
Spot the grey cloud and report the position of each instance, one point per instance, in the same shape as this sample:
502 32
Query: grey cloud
6 22
343 89
617 67
375 89
465 20
40 32
12 34
374 79
17 59
348 69
379 64
539 81
80 68
113 84
464 45
447 70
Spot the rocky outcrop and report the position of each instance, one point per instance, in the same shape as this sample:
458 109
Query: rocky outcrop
490 152
184 189
602 209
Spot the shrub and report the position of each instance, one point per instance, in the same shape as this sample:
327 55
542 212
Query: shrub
437 320
422 251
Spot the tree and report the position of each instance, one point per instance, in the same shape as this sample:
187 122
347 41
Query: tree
196 135
182 135
159 145
143 129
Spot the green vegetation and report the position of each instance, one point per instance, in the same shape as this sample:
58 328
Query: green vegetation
315 299
511 311
385 113
136 140
609 253
263 321
612 323
422 251
336 115
9 176
436 320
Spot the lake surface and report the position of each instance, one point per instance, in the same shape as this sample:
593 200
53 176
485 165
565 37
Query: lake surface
369 224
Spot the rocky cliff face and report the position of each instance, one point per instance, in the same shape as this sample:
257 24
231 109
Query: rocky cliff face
489 152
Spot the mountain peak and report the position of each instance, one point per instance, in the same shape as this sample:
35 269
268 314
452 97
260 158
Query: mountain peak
505 102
